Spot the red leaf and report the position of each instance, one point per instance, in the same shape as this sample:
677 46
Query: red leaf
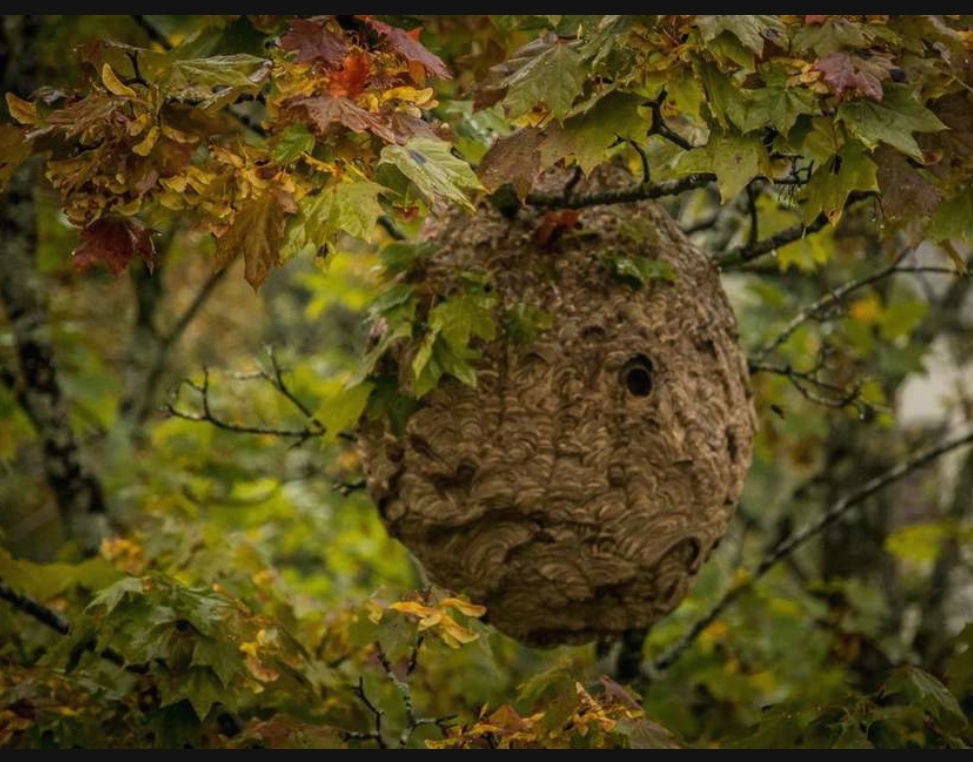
313 42
114 241
408 46
814 20
844 72
323 111
553 226
350 79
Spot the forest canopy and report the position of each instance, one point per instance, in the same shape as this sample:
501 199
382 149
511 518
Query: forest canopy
219 267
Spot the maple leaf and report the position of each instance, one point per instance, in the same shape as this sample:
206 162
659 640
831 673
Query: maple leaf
408 46
312 41
513 159
114 241
256 234
844 72
350 79
324 111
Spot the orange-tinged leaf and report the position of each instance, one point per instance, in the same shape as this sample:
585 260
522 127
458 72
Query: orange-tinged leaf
324 111
408 46
350 79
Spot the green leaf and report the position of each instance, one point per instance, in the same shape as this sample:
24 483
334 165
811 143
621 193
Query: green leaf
830 185
463 316
637 271
750 30
892 121
401 256
727 103
926 691
430 164
523 323
346 207
215 81
341 411
736 160
777 104
295 140
197 685
588 136
111 596
954 218
394 296
554 78
223 656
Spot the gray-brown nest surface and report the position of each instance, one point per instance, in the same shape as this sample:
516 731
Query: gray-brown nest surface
577 490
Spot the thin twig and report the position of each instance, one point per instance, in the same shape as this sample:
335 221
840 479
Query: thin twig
206 414
787 546
377 717
836 295
743 254
660 128
800 380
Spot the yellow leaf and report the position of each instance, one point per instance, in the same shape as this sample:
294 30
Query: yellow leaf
145 146
866 310
423 97
114 84
23 111
455 634
463 607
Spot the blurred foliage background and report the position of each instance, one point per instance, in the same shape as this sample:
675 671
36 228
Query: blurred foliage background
244 592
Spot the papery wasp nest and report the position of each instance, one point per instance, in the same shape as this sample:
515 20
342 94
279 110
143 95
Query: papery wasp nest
578 489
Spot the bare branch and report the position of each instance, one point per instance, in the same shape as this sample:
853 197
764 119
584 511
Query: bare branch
754 249
639 192
206 415
836 295
29 606
839 397
377 717
660 128
787 546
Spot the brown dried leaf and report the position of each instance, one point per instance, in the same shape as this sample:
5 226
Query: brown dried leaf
408 46
114 241
513 159
312 41
905 192
256 234
847 72
325 111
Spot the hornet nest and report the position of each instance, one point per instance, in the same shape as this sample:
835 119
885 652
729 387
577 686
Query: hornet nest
578 489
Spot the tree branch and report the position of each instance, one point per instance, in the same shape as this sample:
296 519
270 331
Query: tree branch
755 249
787 546
836 295
206 414
640 192
29 606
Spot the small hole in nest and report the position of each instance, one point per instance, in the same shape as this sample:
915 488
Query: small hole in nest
636 375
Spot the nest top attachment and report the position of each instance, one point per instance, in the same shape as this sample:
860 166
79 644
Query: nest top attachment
578 489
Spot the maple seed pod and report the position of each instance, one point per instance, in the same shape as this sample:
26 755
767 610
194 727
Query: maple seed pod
578 488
